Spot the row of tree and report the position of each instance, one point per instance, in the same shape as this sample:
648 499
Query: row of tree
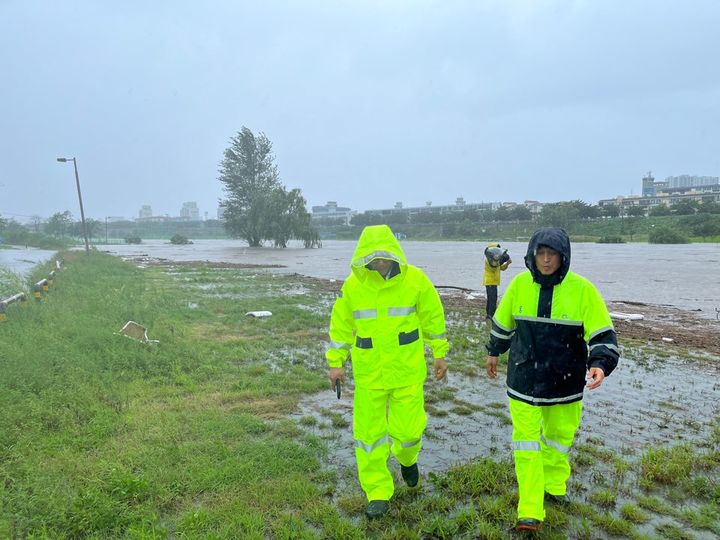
561 214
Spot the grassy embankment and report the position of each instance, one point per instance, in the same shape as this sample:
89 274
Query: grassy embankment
102 436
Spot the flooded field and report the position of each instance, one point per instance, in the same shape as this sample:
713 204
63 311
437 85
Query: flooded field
638 406
684 276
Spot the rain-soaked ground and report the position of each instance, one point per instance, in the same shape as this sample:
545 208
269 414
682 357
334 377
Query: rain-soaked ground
663 393
660 395
638 406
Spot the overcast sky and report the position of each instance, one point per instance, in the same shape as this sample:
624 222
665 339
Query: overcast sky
366 102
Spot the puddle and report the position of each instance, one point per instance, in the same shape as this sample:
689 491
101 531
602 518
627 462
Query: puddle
641 405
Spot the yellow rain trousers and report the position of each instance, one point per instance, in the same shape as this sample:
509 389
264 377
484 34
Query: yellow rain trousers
541 438
386 420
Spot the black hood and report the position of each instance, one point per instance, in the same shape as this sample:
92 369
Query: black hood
557 239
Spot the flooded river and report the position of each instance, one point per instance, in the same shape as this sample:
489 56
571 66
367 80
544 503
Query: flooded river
22 260
685 276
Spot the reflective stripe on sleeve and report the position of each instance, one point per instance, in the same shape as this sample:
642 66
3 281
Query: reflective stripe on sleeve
435 336
600 331
365 314
501 327
608 345
499 335
340 345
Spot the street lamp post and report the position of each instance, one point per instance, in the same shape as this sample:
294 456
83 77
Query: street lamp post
82 212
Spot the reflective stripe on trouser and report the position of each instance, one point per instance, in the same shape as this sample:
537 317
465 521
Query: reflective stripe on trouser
541 457
396 413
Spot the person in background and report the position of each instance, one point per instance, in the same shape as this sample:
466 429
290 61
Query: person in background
387 311
560 335
496 260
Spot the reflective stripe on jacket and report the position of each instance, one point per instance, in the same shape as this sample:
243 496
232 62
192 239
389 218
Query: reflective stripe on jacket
386 323
549 353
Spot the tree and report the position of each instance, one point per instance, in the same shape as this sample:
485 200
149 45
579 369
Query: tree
258 207
521 213
59 223
585 210
660 210
611 210
92 226
636 211
562 214
290 218
685 207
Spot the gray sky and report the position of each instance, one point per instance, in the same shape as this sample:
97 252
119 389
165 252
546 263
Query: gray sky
366 102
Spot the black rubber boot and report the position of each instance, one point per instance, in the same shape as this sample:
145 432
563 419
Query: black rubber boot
410 474
528 524
376 509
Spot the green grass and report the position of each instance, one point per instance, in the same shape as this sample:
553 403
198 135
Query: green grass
102 436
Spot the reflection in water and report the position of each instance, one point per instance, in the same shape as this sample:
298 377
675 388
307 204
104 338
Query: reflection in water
684 276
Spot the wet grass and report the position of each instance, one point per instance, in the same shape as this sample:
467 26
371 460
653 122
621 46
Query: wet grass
105 437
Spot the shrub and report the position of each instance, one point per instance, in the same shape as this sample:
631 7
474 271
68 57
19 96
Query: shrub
611 240
179 239
133 239
663 235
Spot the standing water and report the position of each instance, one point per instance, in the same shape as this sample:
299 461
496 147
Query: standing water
685 276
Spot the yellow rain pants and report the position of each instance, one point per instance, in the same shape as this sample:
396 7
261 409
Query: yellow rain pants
386 420
541 438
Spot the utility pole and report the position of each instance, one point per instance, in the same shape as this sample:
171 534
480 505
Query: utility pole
82 211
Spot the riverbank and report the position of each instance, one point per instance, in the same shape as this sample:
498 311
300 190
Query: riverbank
226 427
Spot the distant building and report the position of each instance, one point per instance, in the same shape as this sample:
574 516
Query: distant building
331 211
459 206
674 189
145 211
676 184
190 212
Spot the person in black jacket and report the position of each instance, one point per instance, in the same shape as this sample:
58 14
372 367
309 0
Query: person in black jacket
559 333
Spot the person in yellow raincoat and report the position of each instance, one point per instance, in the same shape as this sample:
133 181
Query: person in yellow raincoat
560 335
496 260
386 313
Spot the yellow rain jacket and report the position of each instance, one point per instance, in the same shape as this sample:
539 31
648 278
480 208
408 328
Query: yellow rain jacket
385 322
492 273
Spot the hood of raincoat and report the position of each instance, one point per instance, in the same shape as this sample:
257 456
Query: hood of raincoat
557 239
376 242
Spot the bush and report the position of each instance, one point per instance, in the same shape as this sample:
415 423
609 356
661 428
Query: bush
662 235
611 240
133 239
179 239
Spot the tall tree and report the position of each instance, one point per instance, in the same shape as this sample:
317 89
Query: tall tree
249 174
258 207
